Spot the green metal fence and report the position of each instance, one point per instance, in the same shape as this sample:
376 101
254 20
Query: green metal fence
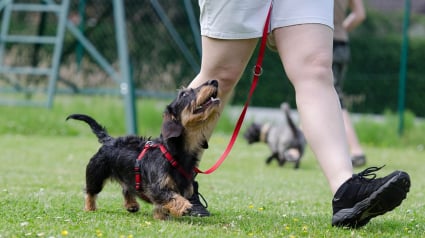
163 46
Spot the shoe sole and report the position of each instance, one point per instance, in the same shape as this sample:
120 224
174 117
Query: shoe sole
386 198
198 210
198 213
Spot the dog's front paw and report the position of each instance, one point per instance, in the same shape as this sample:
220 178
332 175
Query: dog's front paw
187 211
130 202
159 213
132 207
178 206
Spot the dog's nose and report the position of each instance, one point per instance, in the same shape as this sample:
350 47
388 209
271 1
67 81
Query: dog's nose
213 82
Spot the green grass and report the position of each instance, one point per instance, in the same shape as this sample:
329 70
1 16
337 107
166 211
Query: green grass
42 179
109 111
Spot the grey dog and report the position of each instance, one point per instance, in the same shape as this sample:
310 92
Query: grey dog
286 141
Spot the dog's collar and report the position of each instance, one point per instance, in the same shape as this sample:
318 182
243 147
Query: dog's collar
264 132
168 156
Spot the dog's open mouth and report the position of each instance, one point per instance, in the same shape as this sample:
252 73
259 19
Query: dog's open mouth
213 100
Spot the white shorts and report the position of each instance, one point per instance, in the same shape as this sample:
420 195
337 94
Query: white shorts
244 19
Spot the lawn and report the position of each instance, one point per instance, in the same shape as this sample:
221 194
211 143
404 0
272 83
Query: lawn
42 180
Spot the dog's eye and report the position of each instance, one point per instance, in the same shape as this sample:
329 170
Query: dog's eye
183 94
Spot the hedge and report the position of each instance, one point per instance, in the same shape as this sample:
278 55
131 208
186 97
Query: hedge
372 80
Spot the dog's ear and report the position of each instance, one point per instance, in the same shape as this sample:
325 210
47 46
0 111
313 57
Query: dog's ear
171 127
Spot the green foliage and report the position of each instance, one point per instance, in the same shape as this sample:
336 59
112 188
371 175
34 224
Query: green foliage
158 65
384 131
375 76
372 79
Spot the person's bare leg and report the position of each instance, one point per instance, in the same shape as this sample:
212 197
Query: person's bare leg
307 63
355 147
225 61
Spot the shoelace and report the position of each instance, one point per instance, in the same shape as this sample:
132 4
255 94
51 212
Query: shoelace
369 172
199 195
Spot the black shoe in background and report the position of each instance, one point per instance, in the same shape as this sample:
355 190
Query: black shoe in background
198 209
358 160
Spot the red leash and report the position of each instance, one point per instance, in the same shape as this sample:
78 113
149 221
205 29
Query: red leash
258 70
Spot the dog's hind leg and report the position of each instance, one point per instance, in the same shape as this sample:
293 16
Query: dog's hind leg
297 164
96 174
270 158
130 202
90 202
281 161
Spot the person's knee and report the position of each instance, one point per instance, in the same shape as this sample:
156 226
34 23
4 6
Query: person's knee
320 65
316 67
225 60
227 78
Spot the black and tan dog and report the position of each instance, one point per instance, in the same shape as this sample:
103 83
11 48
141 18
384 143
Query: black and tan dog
159 171
286 141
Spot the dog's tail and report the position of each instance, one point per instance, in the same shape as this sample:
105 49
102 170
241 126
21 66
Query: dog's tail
285 107
100 131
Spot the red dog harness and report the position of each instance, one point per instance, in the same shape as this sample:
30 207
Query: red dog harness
168 156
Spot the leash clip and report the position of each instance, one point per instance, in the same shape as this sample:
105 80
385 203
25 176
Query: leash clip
257 70
149 143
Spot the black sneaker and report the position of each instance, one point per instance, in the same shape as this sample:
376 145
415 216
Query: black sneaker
198 209
360 199
358 160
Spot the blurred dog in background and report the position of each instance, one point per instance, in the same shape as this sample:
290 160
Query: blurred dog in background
286 141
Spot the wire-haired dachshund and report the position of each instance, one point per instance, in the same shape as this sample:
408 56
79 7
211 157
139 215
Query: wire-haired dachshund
161 170
286 141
